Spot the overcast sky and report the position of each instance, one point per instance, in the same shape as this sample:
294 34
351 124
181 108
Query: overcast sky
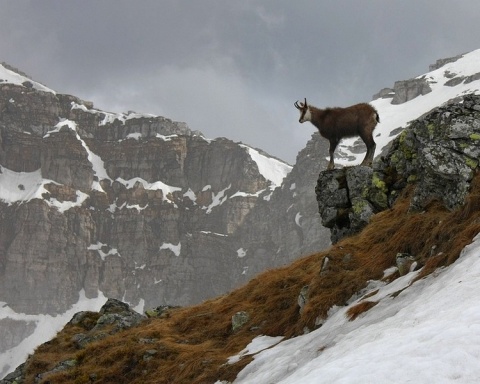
232 68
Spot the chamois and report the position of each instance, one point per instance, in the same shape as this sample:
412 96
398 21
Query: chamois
335 124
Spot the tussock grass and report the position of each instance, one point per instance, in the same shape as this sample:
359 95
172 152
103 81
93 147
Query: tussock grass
360 308
193 344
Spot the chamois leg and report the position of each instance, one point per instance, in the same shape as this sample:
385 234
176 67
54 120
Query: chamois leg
333 145
370 143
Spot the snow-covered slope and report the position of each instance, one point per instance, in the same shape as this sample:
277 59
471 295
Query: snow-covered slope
397 116
271 169
9 76
429 333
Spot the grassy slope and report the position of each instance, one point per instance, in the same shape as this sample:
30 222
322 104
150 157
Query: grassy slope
194 343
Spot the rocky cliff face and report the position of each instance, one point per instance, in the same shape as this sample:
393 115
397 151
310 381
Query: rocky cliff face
293 228
137 207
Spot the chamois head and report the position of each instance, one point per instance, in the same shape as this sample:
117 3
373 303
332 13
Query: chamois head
305 114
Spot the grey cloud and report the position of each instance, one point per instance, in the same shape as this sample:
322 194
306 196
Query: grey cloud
232 68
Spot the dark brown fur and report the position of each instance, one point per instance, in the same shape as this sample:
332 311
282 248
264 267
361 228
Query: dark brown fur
335 124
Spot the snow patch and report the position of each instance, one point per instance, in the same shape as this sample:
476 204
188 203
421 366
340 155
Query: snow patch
213 233
172 247
218 199
245 194
258 344
191 195
158 185
98 165
298 217
25 186
165 138
271 169
8 76
98 247
241 252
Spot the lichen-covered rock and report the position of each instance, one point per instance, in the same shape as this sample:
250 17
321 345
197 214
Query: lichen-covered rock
438 153
160 311
15 377
405 263
302 298
347 198
239 319
113 317
62 366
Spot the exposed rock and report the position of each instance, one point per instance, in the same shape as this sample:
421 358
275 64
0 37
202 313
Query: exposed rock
406 90
12 332
472 78
347 198
149 354
160 311
62 366
455 81
405 263
439 153
113 317
325 266
239 319
384 93
119 314
302 298
15 377
441 62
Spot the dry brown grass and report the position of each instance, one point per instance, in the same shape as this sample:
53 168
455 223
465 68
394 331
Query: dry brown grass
360 308
193 343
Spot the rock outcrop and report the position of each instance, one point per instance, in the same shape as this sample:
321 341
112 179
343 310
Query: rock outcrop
347 198
406 90
87 327
437 155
